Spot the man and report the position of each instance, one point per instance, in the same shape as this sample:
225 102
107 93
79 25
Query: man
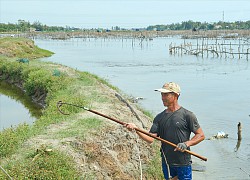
175 125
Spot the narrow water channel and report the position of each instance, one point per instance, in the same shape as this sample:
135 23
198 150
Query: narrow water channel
16 107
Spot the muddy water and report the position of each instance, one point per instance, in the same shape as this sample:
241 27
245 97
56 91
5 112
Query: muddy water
15 107
215 89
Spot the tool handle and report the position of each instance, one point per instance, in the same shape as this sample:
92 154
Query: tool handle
148 134
60 103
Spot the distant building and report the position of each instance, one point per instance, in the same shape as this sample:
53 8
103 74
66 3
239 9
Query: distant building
217 27
32 29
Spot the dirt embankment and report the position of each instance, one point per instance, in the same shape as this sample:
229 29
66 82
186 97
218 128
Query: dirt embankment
111 152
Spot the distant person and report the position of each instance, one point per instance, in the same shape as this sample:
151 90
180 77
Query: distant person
175 125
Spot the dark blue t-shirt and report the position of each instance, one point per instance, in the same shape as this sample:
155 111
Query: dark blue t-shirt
175 127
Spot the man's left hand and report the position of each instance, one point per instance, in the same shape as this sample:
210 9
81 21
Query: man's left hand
181 147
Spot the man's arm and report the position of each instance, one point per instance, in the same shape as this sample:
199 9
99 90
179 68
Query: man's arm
198 137
132 126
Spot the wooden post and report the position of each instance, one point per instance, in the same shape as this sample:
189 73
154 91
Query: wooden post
216 45
239 52
239 131
242 49
202 48
225 52
231 50
239 49
170 48
207 47
247 53
197 48
239 137
221 50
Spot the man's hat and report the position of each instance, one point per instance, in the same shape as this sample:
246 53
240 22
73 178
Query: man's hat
170 87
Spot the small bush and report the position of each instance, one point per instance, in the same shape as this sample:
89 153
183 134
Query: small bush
42 164
12 138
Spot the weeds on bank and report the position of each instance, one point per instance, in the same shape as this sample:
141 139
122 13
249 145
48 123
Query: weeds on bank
154 170
11 138
42 163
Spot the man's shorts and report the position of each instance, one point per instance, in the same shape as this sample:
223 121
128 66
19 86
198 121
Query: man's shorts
183 172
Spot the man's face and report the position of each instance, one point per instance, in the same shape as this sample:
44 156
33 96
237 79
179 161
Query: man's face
167 98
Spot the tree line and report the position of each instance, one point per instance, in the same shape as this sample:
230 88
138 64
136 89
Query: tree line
191 25
25 26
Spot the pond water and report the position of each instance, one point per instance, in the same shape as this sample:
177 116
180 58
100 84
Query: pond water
215 89
16 107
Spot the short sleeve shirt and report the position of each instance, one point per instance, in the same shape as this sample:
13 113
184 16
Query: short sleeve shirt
175 127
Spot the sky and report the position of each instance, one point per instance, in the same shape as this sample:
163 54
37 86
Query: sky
122 13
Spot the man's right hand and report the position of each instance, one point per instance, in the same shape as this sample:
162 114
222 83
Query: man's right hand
130 126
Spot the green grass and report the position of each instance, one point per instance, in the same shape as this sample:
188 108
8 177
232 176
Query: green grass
154 168
80 127
22 48
11 138
39 163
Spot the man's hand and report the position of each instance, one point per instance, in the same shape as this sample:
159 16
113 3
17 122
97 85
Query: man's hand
130 126
181 147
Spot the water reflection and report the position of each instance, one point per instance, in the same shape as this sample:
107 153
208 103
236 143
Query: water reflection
237 145
16 107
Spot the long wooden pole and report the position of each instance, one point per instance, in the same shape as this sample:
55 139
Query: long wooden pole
136 129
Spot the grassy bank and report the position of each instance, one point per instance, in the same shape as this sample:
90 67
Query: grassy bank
77 146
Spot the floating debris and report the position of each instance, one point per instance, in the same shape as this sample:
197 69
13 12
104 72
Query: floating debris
135 99
219 135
